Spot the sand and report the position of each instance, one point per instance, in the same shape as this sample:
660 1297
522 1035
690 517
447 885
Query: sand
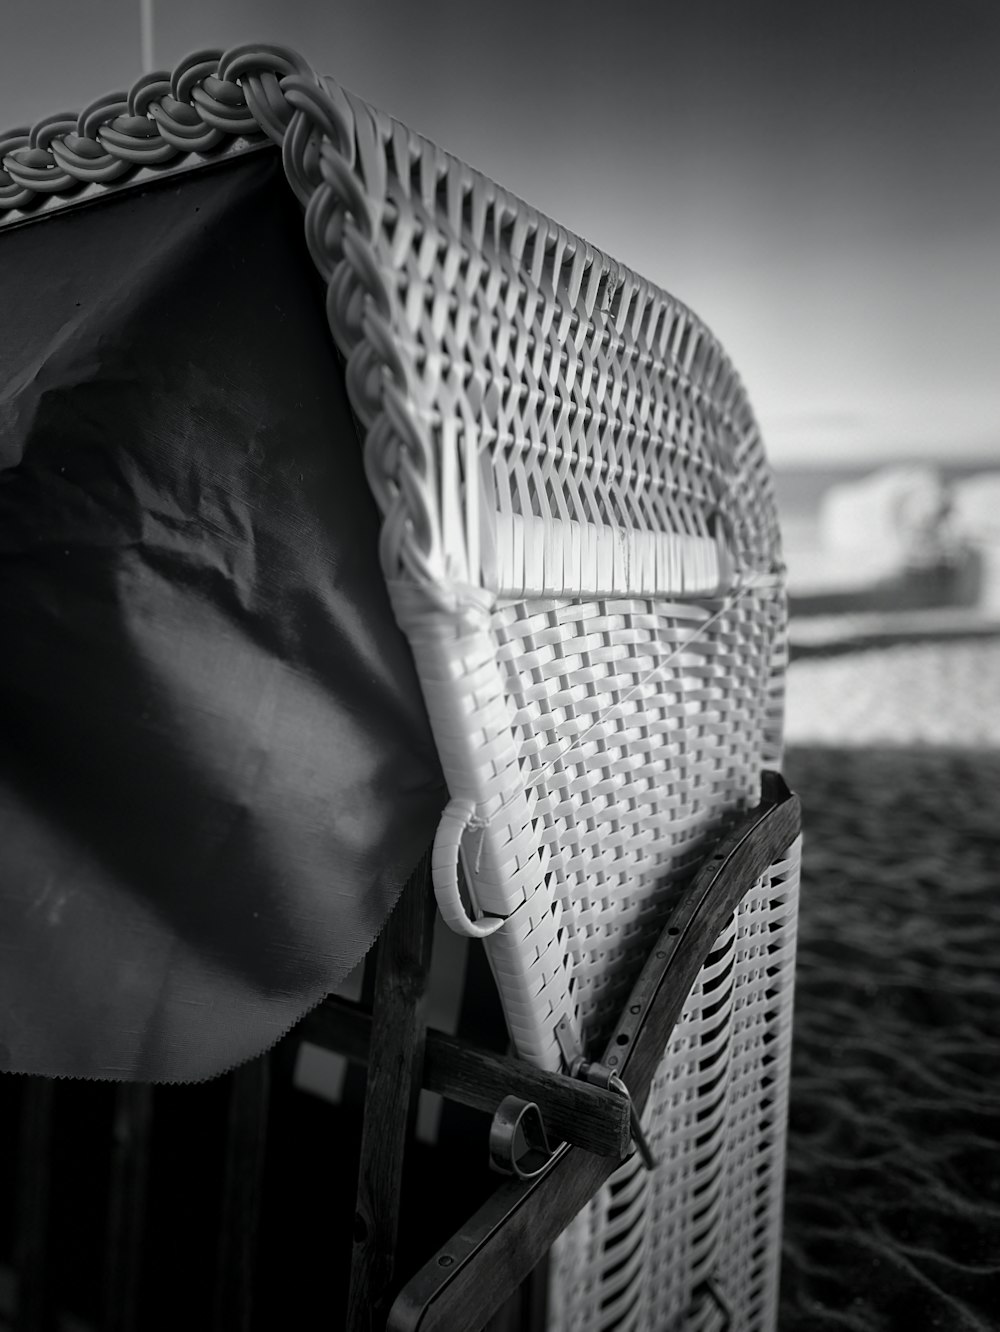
893 1186
938 693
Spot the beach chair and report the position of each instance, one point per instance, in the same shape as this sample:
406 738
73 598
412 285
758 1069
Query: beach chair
580 545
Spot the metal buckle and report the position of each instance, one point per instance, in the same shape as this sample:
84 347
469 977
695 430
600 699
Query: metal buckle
602 1076
518 1143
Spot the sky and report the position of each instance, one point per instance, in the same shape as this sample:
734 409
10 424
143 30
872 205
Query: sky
818 181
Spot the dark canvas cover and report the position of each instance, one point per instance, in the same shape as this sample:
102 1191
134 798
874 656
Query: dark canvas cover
215 767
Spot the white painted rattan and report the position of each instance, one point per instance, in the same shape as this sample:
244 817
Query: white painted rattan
699 1236
581 545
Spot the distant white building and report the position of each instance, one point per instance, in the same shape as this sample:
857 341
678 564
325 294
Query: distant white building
975 518
893 518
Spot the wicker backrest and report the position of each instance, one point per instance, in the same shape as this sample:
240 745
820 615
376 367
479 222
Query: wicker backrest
583 548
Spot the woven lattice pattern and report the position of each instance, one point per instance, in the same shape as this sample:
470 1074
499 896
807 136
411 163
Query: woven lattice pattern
627 811
571 408
678 1247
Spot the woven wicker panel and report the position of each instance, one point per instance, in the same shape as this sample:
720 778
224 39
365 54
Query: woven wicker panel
640 725
677 1247
561 406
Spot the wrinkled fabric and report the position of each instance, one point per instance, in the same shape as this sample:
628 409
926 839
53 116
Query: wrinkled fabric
216 771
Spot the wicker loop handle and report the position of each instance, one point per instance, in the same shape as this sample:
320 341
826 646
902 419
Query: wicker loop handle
459 814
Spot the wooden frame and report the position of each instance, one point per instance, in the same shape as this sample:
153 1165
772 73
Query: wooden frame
484 1264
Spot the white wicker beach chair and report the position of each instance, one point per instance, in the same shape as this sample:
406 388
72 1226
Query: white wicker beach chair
581 545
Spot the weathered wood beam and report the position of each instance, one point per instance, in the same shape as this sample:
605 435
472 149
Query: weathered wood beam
131 1128
246 1144
395 1069
573 1111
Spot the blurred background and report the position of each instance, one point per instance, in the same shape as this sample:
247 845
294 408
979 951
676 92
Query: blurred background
819 182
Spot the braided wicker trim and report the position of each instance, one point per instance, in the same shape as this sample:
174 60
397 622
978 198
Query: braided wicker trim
164 123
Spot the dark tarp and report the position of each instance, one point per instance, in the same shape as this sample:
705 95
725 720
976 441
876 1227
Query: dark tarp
215 768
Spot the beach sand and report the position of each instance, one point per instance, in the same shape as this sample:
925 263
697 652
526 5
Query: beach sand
893 1184
945 693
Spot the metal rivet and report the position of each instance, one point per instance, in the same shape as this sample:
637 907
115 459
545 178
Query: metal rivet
634 1008
445 1260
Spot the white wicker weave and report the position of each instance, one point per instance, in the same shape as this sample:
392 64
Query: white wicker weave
581 544
679 1246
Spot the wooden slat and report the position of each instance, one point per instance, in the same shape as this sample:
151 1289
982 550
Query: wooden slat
484 1262
394 1077
471 1276
573 1111
570 1110
126 1205
245 1150
33 1197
